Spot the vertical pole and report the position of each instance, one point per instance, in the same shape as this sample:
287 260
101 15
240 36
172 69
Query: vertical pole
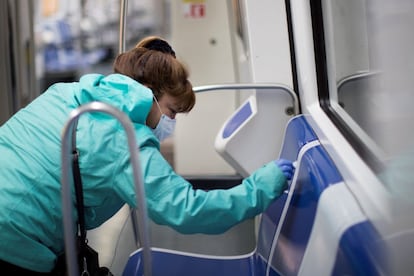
146 253
122 21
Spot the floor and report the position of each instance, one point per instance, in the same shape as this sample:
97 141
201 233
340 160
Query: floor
114 240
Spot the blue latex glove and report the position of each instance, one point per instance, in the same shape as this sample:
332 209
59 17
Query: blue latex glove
287 167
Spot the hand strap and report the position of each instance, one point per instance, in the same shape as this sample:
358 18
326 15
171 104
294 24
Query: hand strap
79 191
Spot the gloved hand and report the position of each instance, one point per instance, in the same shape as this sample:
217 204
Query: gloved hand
287 167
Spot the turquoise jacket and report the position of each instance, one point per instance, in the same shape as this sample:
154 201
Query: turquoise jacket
31 232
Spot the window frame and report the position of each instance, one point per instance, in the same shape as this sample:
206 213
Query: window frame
333 111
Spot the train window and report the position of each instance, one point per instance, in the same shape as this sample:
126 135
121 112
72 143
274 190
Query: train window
79 37
364 67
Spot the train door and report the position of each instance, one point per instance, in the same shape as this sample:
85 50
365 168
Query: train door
17 69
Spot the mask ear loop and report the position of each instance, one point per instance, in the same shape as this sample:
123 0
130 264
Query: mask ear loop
159 107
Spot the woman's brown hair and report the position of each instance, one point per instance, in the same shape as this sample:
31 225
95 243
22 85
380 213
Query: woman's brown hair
152 62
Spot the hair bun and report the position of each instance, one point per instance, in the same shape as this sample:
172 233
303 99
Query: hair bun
161 46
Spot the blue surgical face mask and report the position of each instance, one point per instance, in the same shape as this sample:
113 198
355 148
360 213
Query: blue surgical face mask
165 127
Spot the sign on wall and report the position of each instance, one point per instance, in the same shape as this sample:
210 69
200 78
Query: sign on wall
194 8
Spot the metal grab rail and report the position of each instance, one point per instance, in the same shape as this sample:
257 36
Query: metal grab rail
122 22
122 40
67 204
246 86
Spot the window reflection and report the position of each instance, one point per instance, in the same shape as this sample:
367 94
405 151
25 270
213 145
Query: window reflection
369 59
77 37
371 67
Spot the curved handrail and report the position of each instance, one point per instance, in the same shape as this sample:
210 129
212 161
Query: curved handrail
245 86
67 204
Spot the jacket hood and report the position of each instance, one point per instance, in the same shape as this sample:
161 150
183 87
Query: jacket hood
118 90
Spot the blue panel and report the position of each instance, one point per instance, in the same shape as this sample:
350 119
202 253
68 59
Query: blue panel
361 252
168 263
268 225
298 133
261 267
237 120
317 172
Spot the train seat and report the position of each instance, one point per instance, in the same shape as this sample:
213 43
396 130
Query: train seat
297 134
314 228
171 262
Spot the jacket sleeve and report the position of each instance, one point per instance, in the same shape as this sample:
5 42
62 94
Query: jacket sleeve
172 201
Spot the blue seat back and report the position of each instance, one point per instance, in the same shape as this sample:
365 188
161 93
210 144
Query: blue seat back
287 225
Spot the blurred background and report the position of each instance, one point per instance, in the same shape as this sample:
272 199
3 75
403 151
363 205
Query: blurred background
47 41
77 37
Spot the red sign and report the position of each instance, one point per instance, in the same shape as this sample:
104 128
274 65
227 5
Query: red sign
196 9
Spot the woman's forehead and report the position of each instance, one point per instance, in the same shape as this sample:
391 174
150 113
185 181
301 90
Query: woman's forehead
172 103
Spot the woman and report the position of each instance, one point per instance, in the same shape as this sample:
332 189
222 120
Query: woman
151 86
